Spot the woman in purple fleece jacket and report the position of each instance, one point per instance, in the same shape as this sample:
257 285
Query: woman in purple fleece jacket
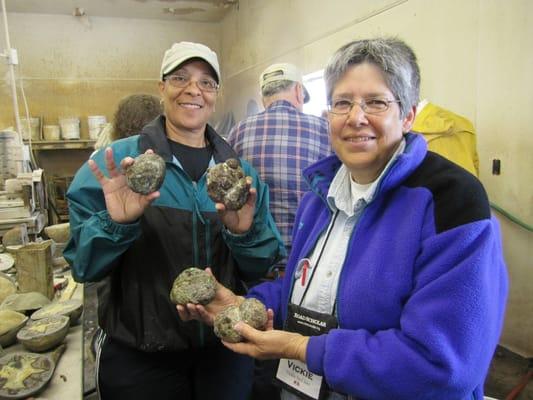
396 286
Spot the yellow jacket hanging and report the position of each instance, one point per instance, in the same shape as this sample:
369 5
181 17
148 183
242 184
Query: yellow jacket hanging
450 135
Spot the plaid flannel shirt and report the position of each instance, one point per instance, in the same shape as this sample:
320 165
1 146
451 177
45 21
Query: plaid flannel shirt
280 143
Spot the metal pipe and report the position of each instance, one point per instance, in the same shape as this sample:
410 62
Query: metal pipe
9 54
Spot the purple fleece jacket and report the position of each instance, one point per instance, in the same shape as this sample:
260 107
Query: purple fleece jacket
423 287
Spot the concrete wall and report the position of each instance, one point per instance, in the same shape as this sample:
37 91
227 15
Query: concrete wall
476 59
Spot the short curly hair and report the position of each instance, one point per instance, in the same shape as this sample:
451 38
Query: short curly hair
133 113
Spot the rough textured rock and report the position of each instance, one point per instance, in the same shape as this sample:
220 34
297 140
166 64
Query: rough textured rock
251 311
224 323
44 334
147 173
226 184
193 285
254 313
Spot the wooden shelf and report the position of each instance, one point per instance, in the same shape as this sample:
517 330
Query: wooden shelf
61 144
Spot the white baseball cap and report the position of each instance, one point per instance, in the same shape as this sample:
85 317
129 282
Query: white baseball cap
283 72
183 51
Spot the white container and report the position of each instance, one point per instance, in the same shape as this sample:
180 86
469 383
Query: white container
70 128
96 124
51 132
35 128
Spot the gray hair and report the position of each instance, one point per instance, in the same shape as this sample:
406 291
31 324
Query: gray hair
270 89
395 59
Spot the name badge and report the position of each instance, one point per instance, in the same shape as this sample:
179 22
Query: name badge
295 374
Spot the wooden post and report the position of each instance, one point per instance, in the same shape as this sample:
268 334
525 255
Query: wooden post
34 268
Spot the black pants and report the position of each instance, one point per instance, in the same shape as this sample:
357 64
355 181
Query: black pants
264 373
200 374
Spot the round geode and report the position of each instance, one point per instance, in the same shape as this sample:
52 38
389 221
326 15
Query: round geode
44 334
251 311
146 174
226 184
193 285
224 323
254 313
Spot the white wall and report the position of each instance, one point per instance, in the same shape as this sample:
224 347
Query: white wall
476 59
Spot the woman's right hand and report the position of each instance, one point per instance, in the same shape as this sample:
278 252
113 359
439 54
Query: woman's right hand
223 298
123 204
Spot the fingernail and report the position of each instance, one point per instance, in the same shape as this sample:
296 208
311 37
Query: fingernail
238 326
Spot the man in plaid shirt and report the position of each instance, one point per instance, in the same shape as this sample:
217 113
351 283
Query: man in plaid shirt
281 142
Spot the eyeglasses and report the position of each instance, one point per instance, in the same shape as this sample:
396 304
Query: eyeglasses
182 81
369 106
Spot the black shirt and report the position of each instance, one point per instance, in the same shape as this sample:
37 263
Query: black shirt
194 160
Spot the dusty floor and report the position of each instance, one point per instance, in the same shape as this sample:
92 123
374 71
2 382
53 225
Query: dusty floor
506 371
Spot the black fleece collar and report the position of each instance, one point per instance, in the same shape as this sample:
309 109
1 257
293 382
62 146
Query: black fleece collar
153 136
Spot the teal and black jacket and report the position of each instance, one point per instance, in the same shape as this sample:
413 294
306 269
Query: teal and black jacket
179 229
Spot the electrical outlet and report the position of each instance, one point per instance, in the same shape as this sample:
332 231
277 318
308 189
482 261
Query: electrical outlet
496 166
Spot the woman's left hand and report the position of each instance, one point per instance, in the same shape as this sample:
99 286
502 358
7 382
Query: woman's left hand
270 344
240 221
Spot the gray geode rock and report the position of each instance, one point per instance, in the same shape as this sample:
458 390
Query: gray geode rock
251 311
147 173
224 323
254 313
226 184
24 374
193 285
44 334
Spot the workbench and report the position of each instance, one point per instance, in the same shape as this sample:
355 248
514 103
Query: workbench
67 381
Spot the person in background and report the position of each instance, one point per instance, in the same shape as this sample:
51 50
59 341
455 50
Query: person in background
132 114
281 142
142 242
396 284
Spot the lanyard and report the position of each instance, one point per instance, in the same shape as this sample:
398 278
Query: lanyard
304 271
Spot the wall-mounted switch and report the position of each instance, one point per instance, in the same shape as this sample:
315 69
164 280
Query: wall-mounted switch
496 164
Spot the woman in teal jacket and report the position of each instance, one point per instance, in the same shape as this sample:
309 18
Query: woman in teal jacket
142 242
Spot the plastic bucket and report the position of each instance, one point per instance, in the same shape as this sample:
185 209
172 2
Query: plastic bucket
96 124
35 128
70 128
51 132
